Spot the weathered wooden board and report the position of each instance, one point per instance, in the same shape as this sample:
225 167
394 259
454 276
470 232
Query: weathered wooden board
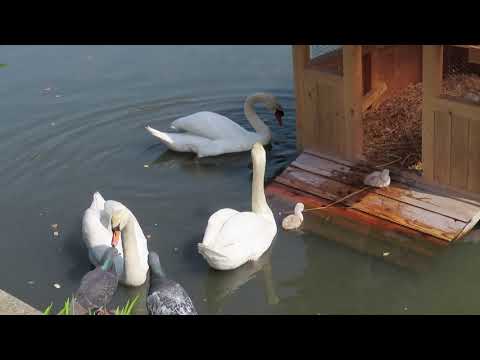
427 200
399 212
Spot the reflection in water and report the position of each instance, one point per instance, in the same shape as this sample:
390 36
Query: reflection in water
220 285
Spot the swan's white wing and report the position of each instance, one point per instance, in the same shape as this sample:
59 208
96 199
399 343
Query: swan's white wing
98 201
215 223
181 142
209 125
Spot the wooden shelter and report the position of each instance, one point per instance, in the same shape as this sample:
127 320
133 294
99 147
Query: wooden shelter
334 90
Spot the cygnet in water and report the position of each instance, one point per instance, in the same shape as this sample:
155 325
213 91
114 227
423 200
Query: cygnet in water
295 220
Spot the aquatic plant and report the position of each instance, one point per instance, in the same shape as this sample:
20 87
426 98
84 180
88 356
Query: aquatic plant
127 309
67 308
3 65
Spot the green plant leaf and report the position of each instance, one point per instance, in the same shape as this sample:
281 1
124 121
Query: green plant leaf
127 309
3 65
48 310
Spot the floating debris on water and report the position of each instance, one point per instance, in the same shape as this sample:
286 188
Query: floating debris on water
56 286
386 253
48 89
31 282
175 249
155 224
53 124
405 308
146 166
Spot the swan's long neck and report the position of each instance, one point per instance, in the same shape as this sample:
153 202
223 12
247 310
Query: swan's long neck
131 255
253 118
259 201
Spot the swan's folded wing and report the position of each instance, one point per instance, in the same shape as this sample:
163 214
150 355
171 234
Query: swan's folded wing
244 235
209 125
98 201
215 223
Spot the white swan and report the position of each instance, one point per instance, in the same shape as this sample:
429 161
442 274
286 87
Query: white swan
233 238
131 263
209 134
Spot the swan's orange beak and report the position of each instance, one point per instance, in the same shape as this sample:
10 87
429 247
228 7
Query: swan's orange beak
115 236
278 115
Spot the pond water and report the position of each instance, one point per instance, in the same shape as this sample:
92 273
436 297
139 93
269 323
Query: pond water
72 122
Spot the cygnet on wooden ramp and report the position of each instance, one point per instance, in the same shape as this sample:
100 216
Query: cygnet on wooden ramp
378 179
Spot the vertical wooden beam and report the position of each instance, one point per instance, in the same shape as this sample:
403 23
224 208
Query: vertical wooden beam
301 57
432 84
353 88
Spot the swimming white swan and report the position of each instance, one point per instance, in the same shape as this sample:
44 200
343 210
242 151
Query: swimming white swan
233 238
110 223
209 134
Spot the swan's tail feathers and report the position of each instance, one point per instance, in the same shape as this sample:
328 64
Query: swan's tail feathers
164 137
216 259
98 201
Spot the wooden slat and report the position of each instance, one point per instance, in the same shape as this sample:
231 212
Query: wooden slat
374 204
325 117
426 200
443 126
456 106
310 112
339 120
352 81
301 56
459 155
474 157
474 55
432 80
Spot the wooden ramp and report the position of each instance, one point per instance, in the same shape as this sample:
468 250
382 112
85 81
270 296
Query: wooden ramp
424 217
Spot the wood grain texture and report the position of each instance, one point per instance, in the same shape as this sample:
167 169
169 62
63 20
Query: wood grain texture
459 152
442 147
421 198
401 213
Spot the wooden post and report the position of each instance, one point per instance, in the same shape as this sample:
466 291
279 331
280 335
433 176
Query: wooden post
353 98
432 84
301 57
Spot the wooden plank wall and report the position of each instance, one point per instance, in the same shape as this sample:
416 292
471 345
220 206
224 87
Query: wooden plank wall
397 66
301 57
451 131
323 121
319 97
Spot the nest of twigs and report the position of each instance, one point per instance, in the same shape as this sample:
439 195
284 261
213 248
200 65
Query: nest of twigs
393 129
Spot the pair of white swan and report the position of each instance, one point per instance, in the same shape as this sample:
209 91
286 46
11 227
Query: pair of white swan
231 238
209 134
110 223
